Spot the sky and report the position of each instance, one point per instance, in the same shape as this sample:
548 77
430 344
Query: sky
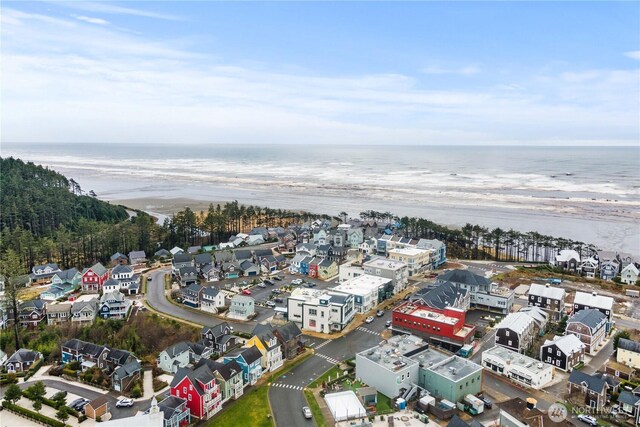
455 73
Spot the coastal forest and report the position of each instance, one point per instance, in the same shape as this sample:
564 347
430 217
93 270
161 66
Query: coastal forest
47 217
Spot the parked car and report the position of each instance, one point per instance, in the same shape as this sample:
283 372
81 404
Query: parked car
488 404
296 282
270 304
278 300
268 282
80 407
262 285
388 323
380 313
124 403
276 291
307 412
149 278
588 419
246 292
369 319
278 278
77 402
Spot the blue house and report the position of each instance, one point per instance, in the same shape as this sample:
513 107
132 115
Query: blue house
439 257
57 291
381 247
304 265
250 360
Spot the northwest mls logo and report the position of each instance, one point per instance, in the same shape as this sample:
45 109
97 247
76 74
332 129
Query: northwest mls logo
557 412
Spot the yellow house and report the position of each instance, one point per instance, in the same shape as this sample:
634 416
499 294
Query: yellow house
268 344
327 269
628 353
417 260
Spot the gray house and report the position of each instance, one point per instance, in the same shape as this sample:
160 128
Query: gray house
242 307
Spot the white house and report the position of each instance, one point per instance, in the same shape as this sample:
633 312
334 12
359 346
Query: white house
566 259
212 300
629 274
517 367
367 291
320 311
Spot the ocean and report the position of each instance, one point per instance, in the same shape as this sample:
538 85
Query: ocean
589 194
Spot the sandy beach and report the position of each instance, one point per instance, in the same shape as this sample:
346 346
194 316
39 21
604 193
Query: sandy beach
167 206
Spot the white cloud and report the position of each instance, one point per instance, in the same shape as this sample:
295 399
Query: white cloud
462 71
102 85
634 54
91 20
113 9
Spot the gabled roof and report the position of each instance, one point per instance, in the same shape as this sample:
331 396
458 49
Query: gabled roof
218 330
169 405
137 254
440 296
119 269
80 305
34 304
592 382
59 308
24 355
127 370
326 262
608 378
517 322
546 291
251 354
265 334
120 356
177 349
590 317
211 291
99 269
182 257
631 267
464 276
262 252
116 256
243 254
111 282
566 255
629 398
629 345
112 296
162 252
184 271
246 265
193 289
289 331
67 275
202 374
204 258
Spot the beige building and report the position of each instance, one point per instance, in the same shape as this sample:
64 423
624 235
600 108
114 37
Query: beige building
417 260
628 353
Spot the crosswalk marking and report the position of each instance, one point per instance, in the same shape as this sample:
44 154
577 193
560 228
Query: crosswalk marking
363 329
327 358
287 386
323 343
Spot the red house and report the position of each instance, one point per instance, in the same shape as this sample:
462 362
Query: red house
313 267
445 327
200 389
93 278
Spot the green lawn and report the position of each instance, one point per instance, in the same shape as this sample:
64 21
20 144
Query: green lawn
331 372
315 409
384 403
252 409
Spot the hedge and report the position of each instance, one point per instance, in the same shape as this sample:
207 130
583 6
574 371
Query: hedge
32 415
33 369
159 384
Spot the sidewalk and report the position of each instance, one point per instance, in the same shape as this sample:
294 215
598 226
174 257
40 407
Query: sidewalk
147 385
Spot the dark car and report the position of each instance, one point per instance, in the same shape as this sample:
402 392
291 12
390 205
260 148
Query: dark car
75 403
276 291
278 278
268 282
280 300
488 404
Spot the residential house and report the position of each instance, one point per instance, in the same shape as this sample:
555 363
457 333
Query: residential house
320 236
452 379
438 251
231 269
397 271
250 361
290 338
254 239
589 325
441 296
549 298
563 352
181 260
320 310
117 357
84 312
212 300
58 313
118 259
42 274
176 250
248 268
517 367
187 276
174 411
355 237
137 257
202 260
113 305
619 370
609 269
192 250
368 291
218 337
630 274
294 265
304 267
32 313
323 251
306 249
593 388
516 332
266 341
22 360
327 269
192 295
583 300
123 377
88 354
259 231
539 316
200 389
269 263
57 291
162 254
630 404
566 259
93 278
483 294
70 275
589 267
628 353
229 377
367 247
181 355
518 412
313 267
129 283
210 273
242 307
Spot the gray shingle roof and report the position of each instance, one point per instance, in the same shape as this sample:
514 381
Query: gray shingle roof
441 296
592 382
628 398
589 317
629 345
464 276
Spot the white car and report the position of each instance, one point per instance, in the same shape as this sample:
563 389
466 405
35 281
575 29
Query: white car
124 403
307 412
262 285
369 319
588 419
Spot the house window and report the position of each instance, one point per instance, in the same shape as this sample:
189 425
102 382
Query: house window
189 398
506 333
184 390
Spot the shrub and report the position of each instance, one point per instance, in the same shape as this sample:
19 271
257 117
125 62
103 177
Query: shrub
159 384
136 391
56 371
32 415
75 365
70 372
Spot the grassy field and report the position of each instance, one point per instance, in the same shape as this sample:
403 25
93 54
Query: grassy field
315 409
252 409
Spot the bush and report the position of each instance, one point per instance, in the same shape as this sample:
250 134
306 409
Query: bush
136 391
56 371
75 365
70 372
10 378
32 415
159 385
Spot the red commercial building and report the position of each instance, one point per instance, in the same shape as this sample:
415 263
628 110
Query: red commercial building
443 327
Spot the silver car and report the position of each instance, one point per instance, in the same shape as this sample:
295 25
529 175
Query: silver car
307 412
